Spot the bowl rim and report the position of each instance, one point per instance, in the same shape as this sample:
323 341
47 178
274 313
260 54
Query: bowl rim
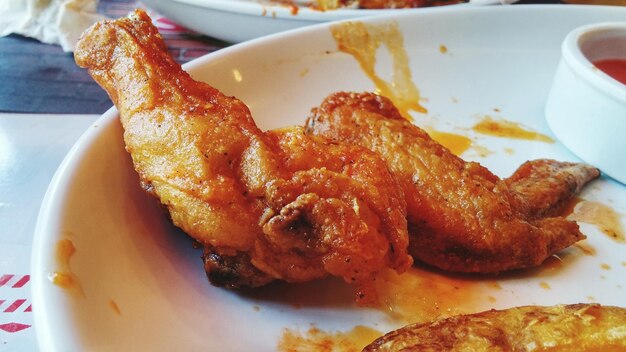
583 67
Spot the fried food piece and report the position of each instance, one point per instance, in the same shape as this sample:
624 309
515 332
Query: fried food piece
545 186
461 217
265 206
576 327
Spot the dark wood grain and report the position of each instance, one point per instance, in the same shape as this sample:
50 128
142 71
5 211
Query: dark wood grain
42 78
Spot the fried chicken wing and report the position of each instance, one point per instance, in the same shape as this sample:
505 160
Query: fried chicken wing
461 216
265 205
543 187
575 327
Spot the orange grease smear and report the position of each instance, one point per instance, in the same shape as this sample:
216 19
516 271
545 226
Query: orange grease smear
552 264
586 248
568 209
115 307
362 41
602 216
64 277
456 143
317 340
508 129
420 295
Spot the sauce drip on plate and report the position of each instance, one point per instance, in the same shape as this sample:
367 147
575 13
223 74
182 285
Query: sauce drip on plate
568 208
317 340
420 295
586 249
362 41
456 143
544 285
508 129
115 307
602 216
64 277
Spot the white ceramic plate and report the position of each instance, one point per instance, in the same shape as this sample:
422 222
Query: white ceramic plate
239 20
500 62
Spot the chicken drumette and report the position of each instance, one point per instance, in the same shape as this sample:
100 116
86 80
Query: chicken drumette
265 205
461 216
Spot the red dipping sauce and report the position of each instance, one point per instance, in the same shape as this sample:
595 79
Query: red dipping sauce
615 68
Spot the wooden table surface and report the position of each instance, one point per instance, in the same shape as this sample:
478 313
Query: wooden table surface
41 78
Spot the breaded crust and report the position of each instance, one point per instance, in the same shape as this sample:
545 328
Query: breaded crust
575 327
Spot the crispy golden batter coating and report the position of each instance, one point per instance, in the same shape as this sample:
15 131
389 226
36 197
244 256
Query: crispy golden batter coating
461 216
275 205
576 327
544 187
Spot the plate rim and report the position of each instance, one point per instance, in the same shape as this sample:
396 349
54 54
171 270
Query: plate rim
66 170
42 236
249 7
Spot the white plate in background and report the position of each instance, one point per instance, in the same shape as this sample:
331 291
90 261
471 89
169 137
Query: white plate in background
240 20
142 285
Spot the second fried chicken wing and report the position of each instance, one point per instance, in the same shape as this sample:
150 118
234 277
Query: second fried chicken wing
461 216
265 206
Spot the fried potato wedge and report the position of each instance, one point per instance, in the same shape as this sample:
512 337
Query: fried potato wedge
576 327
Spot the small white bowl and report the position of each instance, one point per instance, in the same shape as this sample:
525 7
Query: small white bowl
586 108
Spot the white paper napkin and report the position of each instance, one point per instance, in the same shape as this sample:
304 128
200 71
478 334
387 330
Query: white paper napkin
50 21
